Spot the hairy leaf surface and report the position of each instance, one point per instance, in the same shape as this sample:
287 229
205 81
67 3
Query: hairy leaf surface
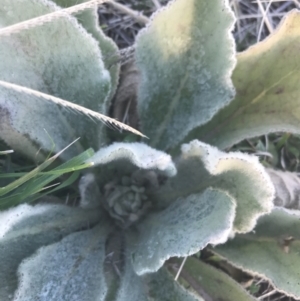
25 228
159 286
209 282
132 287
272 251
186 63
71 269
266 79
138 154
58 58
182 229
241 175
89 20
39 125
162 287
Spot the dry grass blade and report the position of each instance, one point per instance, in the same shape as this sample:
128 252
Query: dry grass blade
128 11
156 4
6 152
265 14
29 175
265 19
180 269
77 108
6 31
256 19
267 295
297 3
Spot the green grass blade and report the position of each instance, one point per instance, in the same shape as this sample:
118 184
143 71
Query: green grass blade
28 187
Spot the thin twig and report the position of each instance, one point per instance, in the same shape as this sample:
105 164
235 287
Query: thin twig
156 4
297 3
256 16
280 297
267 1
267 295
180 269
265 19
138 16
236 11
126 111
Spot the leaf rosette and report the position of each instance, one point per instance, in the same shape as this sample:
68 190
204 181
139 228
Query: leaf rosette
138 206
131 204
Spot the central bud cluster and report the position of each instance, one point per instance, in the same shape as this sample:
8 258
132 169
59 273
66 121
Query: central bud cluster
126 199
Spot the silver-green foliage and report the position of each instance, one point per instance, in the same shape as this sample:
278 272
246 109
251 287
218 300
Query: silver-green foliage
58 58
271 252
183 70
139 206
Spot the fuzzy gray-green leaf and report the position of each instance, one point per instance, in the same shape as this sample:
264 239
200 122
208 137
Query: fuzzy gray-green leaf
21 110
138 154
132 287
162 287
89 20
241 175
266 79
26 228
159 286
186 62
182 229
58 58
208 281
71 269
272 251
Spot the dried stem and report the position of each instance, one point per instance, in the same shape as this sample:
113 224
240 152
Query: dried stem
265 18
180 268
156 4
139 17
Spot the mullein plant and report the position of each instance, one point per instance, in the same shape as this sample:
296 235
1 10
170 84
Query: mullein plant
139 206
